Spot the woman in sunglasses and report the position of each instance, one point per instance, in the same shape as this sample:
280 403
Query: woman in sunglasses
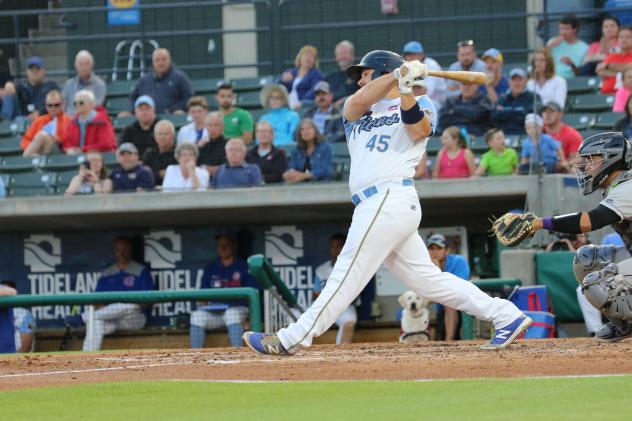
45 133
90 129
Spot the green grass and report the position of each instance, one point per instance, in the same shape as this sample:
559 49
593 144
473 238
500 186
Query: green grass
502 399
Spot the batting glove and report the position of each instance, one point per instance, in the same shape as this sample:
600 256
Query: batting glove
413 70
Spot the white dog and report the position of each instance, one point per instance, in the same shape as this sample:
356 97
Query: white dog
415 318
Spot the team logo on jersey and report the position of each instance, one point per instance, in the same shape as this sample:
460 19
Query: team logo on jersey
368 123
163 249
284 244
393 107
42 252
128 281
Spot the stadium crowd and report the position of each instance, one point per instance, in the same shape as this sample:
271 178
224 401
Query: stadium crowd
292 140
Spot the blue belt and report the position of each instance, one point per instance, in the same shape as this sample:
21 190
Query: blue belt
372 190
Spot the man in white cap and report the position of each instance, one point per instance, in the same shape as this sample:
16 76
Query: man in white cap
435 86
540 149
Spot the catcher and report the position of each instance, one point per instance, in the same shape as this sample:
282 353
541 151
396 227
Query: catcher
604 272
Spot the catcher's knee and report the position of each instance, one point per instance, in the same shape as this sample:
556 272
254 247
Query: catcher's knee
609 291
591 258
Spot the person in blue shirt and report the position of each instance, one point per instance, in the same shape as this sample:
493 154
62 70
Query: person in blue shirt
540 149
311 158
24 324
237 172
226 271
125 275
496 83
447 317
130 175
7 328
284 121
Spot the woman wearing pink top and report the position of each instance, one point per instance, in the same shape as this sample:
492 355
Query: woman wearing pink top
621 97
598 50
454 160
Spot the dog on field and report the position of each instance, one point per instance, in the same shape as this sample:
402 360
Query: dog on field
415 318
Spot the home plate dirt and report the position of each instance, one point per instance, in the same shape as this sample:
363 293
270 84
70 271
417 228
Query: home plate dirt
382 361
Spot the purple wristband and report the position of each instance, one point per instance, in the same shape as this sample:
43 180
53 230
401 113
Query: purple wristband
547 223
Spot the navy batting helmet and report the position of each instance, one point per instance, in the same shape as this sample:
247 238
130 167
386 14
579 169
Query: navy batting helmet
615 152
381 60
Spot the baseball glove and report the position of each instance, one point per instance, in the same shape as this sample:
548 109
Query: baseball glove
512 228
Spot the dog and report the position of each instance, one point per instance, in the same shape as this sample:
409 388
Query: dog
415 318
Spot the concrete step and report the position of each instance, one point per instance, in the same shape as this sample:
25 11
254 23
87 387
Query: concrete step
55 49
37 33
48 21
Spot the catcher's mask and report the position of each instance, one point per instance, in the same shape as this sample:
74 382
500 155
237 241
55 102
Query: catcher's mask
382 61
599 156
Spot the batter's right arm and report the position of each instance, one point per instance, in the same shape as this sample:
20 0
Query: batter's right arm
359 103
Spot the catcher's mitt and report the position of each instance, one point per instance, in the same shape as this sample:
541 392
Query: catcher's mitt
512 228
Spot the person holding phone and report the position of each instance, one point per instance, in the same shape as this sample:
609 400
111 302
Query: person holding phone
92 177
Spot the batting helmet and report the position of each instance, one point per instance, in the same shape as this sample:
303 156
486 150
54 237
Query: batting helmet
381 60
616 155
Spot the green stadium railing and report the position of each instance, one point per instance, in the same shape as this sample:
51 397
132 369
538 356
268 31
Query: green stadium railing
486 285
148 297
262 270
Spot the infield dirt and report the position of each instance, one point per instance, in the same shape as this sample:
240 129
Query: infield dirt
383 361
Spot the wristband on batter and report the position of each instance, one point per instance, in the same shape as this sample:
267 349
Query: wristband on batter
412 116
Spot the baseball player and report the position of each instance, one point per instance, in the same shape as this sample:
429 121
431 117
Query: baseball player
387 129
604 162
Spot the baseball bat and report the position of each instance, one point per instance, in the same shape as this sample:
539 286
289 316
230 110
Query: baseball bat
460 76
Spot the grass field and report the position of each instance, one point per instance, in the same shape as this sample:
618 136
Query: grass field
514 399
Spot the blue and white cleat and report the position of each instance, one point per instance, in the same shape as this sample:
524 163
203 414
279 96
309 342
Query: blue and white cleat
265 343
505 336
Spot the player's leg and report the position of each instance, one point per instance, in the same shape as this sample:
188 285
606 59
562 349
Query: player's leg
592 316
234 318
411 263
200 321
346 325
133 319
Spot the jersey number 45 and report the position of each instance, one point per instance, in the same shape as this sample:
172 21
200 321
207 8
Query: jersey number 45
380 144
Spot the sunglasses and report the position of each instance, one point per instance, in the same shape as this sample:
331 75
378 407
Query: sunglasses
465 43
78 103
53 105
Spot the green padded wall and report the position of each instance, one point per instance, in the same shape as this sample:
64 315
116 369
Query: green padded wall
555 270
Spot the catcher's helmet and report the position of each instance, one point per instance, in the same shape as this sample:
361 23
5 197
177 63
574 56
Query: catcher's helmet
381 60
616 154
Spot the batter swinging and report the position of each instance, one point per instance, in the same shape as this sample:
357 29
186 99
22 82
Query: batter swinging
387 130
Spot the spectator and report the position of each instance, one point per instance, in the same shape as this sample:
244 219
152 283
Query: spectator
470 110
169 87
7 327
185 176
598 50
90 129
125 275
338 80
436 86
554 126
625 124
213 149
326 115
348 318
85 79
92 177
27 97
44 135
466 60
227 271
448 319
496 83
195 131
455 159
162 154
271 160
498 160
303 77
141 132
237 121
540 149
616 62
311 158
24 325
623 93
509 112
236 172
130 175
567 49
567 242
544 81
284 120
613 239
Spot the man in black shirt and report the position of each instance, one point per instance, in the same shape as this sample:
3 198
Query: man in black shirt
272 161
141 132
162 154
339 81
212 152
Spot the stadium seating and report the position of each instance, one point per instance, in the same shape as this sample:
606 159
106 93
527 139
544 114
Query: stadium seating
514 140
120 88
120 123
212 102
251 83
434 145
63 162
479 145
116 105
340 149
589 132
205 86
580 121
109 158
6 128
33 183
592 103
10 146
583 85
606 121
249 100
257 113
63 180
178 120
14 164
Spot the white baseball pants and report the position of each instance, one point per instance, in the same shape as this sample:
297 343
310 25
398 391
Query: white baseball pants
211 320
384 229
109 319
